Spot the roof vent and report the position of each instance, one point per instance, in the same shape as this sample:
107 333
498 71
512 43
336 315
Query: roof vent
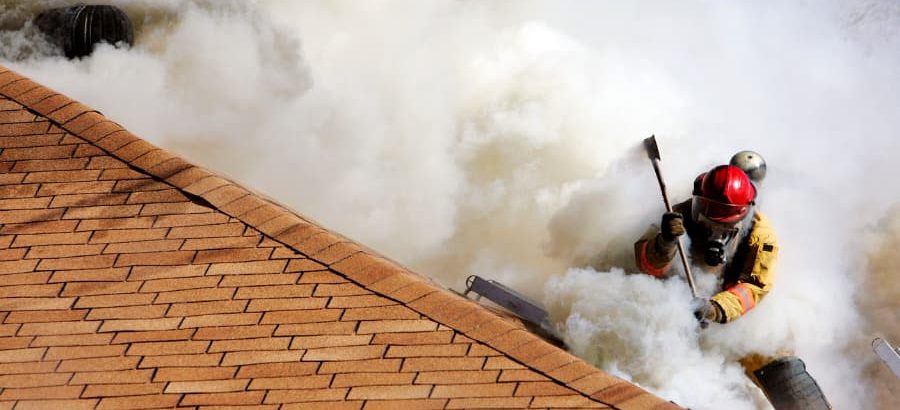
76 29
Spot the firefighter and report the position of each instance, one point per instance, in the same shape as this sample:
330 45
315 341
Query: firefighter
730 238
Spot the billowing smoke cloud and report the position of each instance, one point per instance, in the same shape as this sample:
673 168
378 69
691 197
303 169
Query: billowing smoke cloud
502 138
880 305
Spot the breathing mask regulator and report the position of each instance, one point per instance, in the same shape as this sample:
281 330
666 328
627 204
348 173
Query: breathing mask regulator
722 203
718 242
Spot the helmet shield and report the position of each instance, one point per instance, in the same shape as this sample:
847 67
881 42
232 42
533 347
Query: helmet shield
718 211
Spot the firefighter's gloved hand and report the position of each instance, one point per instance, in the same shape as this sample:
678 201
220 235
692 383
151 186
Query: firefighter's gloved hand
707 311
672 226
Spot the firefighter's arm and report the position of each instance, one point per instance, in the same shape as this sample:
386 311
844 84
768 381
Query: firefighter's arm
654 255
755 284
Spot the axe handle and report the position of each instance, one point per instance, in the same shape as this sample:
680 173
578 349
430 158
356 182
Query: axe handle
684 261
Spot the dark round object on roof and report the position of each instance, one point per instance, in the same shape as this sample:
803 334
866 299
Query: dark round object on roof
789 386
78 28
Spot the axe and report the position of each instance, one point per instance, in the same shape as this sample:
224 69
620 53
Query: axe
653 152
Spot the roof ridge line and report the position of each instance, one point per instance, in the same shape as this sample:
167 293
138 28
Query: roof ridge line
366 267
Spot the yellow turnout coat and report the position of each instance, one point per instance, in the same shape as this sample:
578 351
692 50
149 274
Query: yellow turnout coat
746 278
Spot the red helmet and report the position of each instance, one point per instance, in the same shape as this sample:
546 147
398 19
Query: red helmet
724 194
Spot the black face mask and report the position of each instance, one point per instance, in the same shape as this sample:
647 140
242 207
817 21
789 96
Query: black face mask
714 254
717 238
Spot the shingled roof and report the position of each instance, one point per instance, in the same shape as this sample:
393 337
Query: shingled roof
130 278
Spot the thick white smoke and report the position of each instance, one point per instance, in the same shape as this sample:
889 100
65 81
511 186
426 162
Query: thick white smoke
502 138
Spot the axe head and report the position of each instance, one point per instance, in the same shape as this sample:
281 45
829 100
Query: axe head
651 147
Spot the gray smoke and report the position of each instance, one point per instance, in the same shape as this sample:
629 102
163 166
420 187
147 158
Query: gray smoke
502 138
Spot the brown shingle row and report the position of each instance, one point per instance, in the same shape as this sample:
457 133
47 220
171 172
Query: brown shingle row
391 386
271 294
16 116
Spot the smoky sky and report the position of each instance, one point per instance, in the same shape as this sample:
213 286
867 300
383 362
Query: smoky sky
502 139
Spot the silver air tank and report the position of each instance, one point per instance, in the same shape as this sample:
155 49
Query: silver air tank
752 163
